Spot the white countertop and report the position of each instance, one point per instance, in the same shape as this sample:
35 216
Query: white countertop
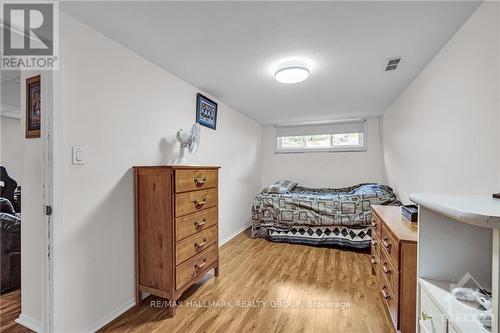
479 210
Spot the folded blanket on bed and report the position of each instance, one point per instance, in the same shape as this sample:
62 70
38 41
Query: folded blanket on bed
304 206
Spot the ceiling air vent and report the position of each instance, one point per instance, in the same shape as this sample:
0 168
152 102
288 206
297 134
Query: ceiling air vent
392 64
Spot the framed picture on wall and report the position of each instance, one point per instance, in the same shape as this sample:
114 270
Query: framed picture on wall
206 111
33 107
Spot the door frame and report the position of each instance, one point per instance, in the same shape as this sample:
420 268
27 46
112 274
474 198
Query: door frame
52 156
47 195
51 180
54 288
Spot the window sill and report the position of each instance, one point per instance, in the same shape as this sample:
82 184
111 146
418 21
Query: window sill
325 150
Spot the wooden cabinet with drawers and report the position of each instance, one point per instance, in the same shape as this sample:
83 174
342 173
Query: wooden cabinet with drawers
394 261
176 228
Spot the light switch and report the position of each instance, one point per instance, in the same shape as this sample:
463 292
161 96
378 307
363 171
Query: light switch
78 155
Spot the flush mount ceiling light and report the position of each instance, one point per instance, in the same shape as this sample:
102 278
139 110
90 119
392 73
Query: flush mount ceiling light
292 72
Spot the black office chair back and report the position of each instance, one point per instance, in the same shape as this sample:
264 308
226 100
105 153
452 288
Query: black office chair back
9 185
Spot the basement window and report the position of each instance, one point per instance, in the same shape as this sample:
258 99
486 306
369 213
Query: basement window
322 137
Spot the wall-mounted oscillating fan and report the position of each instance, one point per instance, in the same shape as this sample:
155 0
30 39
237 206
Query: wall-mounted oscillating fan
189 139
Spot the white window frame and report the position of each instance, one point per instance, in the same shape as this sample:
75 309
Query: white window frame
358 148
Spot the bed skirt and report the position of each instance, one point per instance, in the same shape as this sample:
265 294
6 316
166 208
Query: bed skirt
358 238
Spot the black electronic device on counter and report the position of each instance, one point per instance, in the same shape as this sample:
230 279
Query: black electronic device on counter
410 212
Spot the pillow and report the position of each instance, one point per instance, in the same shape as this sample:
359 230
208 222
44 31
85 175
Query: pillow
6 206
281 186
287 186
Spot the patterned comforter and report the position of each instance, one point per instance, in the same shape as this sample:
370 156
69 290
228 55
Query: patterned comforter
320 206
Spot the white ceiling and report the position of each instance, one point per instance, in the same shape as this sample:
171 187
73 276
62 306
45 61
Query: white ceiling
229 49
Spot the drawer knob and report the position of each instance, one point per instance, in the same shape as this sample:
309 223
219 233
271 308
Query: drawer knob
374 242
200 245
200 224
374 224
199 204
200 266
385 269
385 295
386 243
373 260
200 182
426 316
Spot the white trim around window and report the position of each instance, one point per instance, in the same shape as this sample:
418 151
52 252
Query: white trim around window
330 132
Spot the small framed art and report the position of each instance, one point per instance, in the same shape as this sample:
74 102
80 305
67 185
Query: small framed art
33 107
206 111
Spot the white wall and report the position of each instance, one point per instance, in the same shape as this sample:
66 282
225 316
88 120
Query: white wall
338 169
32 219
11 146
31 231
125 111
498 93
442 134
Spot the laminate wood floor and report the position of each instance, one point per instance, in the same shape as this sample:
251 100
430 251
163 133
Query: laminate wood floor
272 287
10 308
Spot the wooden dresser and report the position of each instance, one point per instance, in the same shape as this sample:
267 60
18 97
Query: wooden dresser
176 228
394 261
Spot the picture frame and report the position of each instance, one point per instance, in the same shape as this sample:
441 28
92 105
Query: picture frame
33 107
206 111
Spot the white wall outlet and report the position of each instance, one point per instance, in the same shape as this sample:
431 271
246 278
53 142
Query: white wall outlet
78 155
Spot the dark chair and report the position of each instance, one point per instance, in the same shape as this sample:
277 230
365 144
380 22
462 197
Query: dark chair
10 237
9 185
10 252
17 199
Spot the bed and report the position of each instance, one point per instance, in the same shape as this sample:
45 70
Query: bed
287 212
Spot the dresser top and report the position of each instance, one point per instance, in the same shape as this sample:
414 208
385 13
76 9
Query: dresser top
178 167
403 229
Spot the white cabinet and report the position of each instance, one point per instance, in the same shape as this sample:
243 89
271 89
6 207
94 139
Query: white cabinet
458 245
452 330
431 318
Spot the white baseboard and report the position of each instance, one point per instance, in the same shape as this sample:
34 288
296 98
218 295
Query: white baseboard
122 309
30 323
234 234
110 317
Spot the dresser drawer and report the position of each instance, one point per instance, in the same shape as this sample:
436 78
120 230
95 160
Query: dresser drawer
390 300
194 244
375 257
195 201
375 246
193 223
376 267
391 245
190 269
375 261
390 272
192 180
376 226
